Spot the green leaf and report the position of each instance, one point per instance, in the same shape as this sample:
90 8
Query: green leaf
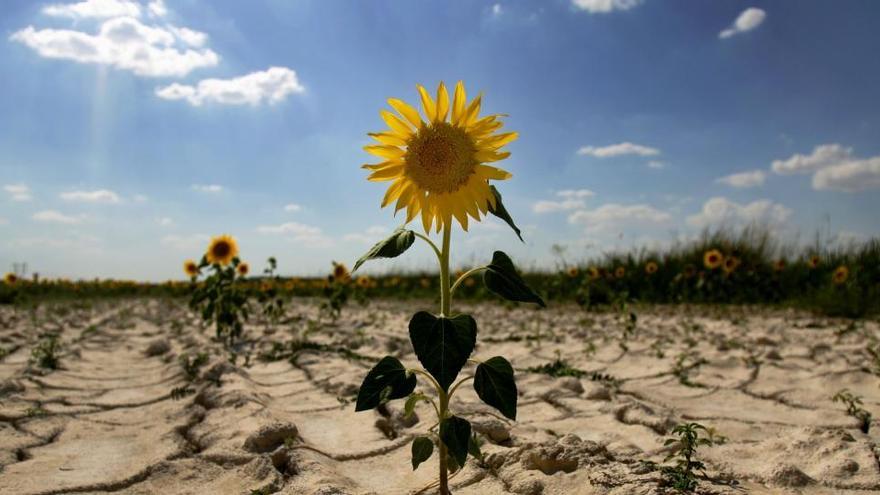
455 433
443 345
494 383
474 447
411 401
399 241
501 278
386 381
422 448
501 212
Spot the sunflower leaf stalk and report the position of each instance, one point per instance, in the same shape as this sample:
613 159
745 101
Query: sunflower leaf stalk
439 173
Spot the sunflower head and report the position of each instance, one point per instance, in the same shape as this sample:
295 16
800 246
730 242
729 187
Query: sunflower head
572 272
840 275
191 269
438 165
222 250
712 259
10 278
779 265
814 261
363 282
425 282
730 264
340 273
619 272
651 267
594 273
242 269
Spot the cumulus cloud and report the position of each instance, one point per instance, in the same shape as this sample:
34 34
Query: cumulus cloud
822 156
94 9
371 236
614 215
292 207
53 216
747 20
99 196
604 6
207 188
127 44
18 192
270 86
625 148
157 8
852 176
297 232
570 199
752 178
720 211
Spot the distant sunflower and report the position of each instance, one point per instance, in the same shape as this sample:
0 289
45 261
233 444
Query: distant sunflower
190 268
340 272
243 269
593 273
425 282
779 265
814 261
363 282
731 263
572 272
619 272
840 275
10 278
222 250
438 167
651 267
712 259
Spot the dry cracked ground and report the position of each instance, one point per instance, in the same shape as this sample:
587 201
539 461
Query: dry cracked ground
106 419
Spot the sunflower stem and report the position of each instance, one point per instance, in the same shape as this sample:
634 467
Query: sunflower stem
445 297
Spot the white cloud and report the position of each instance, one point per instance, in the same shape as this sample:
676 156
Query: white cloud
18 192
720 211
127 44
571 199
307 235
53 216
208 188
157 8
822 156
94 9
656 164
746 21
271 86
99 196
614 215
604 6
497 10
164 222
852 176
752 178
292 207
193 243
625 148
140 198
371 236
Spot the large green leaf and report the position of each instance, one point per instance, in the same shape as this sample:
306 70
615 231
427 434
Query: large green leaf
455 433
422 448
399 241
494 384
501 212
501 278
386 381
443 345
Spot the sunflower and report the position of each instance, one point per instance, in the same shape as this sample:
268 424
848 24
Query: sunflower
730 264
340 272
243 269
841 273
190 268
651 267
594 273
425 282
619 272
779 265
572 272
814 261
712 259
10 278
222 250
363 282
438 166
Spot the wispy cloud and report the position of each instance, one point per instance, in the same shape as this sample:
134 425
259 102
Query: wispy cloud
270 86
164 222
370 236
18 192
616 216
98 196
834 168
54 216
720 211
656 164
208 188
604 6
300 233
292 207
94 9
747 20
742 180
193 243
570 199
625 148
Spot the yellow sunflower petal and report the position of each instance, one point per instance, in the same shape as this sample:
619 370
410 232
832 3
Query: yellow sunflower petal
498 140
493 173
473 111
459 100
427 215
490 156
442 103
386 173
428 105
379 166
388 138
398 126
392 192
408 112
384 150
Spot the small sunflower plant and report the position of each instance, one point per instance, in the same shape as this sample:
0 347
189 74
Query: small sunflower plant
221 298
268 294
337 290
438 164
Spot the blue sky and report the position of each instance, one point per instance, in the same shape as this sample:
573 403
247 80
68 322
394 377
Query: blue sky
130 132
